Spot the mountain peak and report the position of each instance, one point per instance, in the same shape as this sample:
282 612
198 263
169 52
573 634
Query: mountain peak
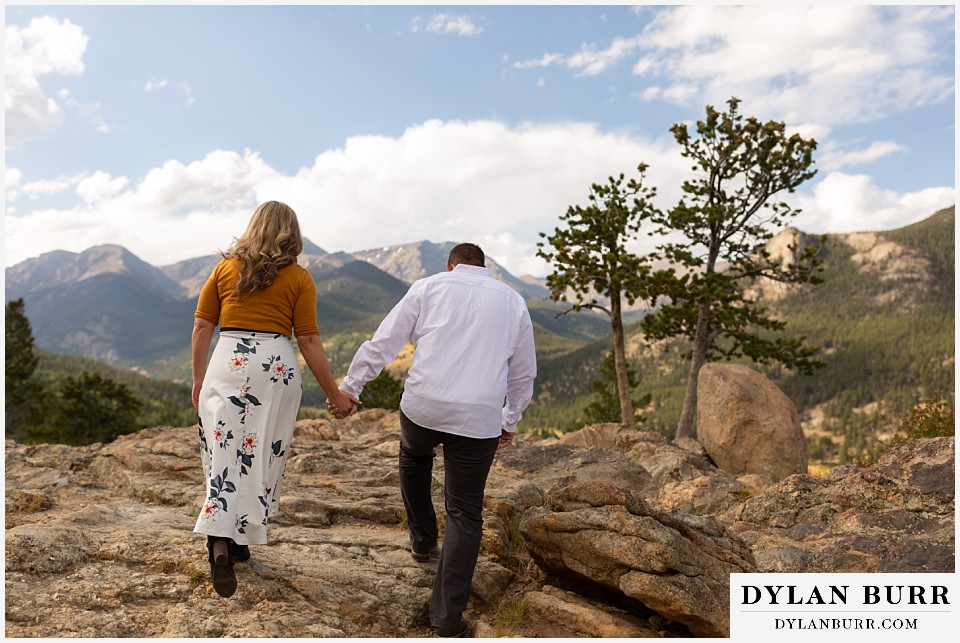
62 267
312 249
409 262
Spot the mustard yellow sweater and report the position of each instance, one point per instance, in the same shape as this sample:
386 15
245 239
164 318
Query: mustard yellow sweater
289 303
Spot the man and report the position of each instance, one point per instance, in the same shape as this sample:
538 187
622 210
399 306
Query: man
474 349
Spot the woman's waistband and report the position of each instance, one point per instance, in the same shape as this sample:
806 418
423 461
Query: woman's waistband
249 332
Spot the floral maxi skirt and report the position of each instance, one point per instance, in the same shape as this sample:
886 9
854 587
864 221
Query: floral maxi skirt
248 407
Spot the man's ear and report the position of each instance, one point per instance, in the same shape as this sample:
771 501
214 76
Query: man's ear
450 266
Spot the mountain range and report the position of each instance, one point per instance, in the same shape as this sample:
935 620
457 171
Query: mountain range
107 304
883 320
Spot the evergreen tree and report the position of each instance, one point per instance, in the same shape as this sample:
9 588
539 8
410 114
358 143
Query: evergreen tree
590 258
20 361
605 404
87 409
726 216
382 392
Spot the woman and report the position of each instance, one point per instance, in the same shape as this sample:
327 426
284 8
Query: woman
248 399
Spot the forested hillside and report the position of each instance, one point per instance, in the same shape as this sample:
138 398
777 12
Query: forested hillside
159 402
883 319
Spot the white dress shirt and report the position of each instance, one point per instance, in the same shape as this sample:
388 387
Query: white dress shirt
474 349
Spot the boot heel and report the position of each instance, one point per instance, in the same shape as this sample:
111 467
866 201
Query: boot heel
221 572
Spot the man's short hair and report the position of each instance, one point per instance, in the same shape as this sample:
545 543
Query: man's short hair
467 253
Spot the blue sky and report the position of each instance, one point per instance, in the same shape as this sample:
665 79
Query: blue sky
161 127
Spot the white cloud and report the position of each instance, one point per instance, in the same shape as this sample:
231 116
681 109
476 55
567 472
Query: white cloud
507 250
833 158
446 23
439 181
854 203
187 93
100 186
175 212
645 65
156 85
590 62
45 46
677 93
544 61
482 181
829 64
90 112
461 180
821 65
11 177
221 178
44 187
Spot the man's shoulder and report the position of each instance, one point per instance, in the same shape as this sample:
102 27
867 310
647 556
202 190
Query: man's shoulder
478 279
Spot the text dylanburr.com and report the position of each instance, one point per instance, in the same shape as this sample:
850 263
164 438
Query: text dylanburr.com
847 607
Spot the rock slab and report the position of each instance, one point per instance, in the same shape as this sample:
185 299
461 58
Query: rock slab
675 564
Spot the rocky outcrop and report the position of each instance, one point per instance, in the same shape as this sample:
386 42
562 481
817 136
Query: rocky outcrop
676 564
552 465
747 424
586 617
896 516
784 249
99 539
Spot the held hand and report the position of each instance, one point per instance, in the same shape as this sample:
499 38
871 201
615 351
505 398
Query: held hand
342 405
344 411
505 439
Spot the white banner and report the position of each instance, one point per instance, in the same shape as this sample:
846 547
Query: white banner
844 607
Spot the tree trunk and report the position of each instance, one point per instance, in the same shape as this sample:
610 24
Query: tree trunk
685 427
620 361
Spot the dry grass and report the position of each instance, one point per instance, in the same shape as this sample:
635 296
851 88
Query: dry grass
27 501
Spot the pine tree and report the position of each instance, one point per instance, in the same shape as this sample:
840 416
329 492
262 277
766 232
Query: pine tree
20 361
726 216
605 404
87 409
590 258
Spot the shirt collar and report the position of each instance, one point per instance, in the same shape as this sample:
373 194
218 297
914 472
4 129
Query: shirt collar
472 270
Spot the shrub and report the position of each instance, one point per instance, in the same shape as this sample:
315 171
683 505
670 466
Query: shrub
932 417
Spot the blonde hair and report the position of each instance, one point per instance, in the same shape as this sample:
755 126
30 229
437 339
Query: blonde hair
271 242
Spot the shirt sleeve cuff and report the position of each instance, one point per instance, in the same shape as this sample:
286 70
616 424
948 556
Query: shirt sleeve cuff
349 386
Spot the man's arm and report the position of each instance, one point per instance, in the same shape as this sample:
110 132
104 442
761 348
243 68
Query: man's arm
521 371
393 333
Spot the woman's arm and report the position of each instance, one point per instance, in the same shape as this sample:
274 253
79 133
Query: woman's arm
199 347
316 359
